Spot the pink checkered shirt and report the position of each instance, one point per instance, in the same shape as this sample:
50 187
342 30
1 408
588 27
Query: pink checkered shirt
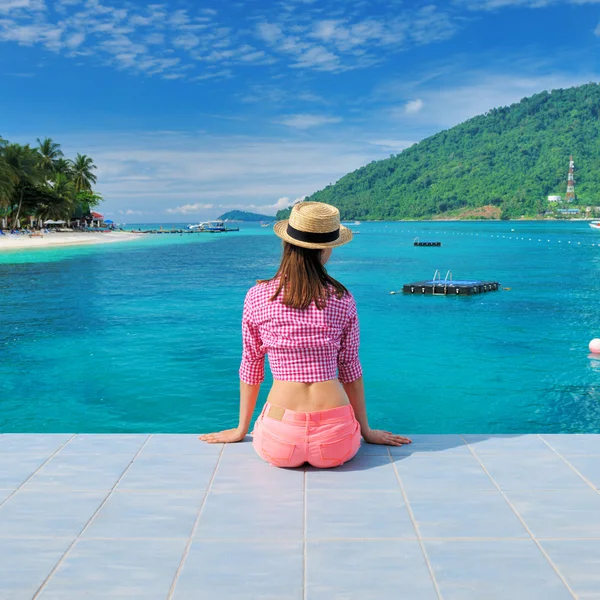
303 345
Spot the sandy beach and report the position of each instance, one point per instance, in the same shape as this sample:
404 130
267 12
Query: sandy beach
22 242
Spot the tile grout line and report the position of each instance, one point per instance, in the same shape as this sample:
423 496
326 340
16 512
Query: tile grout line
522 521
585 479
37 470
186 551
78 536
416 527
304 542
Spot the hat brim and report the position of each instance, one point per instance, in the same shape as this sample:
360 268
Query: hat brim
280 229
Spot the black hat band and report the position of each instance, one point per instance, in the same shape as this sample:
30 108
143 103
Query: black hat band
312 238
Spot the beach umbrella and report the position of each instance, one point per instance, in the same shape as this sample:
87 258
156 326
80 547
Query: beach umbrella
59 222
108 221
49 222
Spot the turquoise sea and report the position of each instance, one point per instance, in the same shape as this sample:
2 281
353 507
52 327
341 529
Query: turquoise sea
145 336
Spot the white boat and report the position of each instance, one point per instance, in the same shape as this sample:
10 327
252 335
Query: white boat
595 225
263 224
211 227
208 226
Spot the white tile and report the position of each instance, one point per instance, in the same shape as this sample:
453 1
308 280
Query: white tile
17 468
437 474
361 569
241 570
578 561
559 513
465 514
166 443
494 570
26 563
361 473
532 471
169 472
105 444
146 515
47 513
357 514
249 472
103 569
80 472
33 443
252 515
575 444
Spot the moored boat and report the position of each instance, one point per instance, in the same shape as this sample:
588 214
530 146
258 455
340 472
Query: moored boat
595 225
211 227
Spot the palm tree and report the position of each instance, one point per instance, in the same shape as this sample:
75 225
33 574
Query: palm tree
7 183
24 165
56 202
64 190
63 165
83 177
50 152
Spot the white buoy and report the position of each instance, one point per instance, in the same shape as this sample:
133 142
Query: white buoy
595 346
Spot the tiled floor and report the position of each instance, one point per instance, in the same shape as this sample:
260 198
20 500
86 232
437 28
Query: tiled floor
168 517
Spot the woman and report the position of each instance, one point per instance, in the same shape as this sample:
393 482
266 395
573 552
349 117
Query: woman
306 322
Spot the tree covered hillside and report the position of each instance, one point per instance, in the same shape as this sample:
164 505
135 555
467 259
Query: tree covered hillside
511 157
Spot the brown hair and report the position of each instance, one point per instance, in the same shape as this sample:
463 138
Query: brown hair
304 279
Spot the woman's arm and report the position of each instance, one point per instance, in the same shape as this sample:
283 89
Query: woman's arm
248 396
252 373
355 391
350 376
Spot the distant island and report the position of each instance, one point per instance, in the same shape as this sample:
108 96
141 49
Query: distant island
242 215
500 165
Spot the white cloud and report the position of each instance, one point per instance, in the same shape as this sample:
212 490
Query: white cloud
138 37
269 32
318 58
188 209
488 5
414 106
75 40
187 41
11 6
302 121
285 202
397 145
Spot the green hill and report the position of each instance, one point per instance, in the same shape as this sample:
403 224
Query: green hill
242 215
504 162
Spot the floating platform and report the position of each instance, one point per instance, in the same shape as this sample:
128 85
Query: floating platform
449 287
417 242
465 287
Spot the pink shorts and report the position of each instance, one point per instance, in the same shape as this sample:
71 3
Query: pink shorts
326 438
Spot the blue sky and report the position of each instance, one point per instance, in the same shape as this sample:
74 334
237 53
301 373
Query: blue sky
190 108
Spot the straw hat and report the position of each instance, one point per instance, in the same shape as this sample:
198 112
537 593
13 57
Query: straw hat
313 225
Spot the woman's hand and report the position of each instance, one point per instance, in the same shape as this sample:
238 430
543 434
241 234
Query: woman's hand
228 436
385 438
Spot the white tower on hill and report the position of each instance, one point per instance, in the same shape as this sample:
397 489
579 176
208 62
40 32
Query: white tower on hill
570 195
